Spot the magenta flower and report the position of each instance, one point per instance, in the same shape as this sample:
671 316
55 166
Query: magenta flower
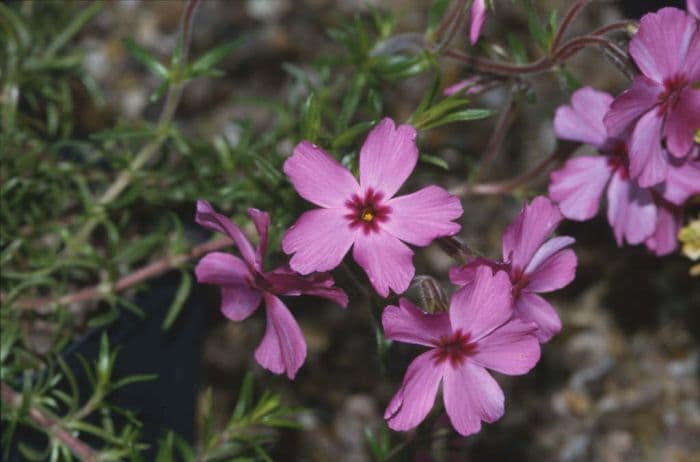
535 265
635 213
478 16
244 285
367 215
662 107
477 333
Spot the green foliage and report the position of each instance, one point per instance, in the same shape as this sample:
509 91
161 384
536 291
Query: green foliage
248 430
541 33
83 209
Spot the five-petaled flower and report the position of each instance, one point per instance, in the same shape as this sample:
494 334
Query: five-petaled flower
244 284
636 214
534 266
662 107
366 215
478 332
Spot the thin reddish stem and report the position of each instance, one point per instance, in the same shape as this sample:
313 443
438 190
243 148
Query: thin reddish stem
543 64
50 425
486 65
497 137
449 25
563 152
566 22
616 26
43 305
574 46
449 18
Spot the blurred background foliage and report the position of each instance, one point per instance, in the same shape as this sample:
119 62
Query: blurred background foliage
117 116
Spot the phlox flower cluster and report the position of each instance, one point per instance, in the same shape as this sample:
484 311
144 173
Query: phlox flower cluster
648 166
659 114
649 162
637 214
496 319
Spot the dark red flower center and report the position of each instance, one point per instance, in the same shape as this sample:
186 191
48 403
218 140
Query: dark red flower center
671 95
455 348
519 280
367 211
617 158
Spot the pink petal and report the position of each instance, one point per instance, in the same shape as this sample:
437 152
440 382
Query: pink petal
694 8
531 307
528 231
660 46
207 217
334 294
388 157
641 97
407 323
471 395
546 250
386 260
555 272
284 281
682 182
478 16
577 186
318 177
682 122
239 302
648 160
583 120
483 305
631 210
262 224
222 269
664 240
691 69
424 215
238 298
319 240
417 394
283 348
511 349
465 274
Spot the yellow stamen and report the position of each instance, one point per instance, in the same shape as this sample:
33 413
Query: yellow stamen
367 216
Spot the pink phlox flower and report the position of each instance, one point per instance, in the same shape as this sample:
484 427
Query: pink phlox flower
477 14
244 284
535 265
366 215
662 107
479 332
634 212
